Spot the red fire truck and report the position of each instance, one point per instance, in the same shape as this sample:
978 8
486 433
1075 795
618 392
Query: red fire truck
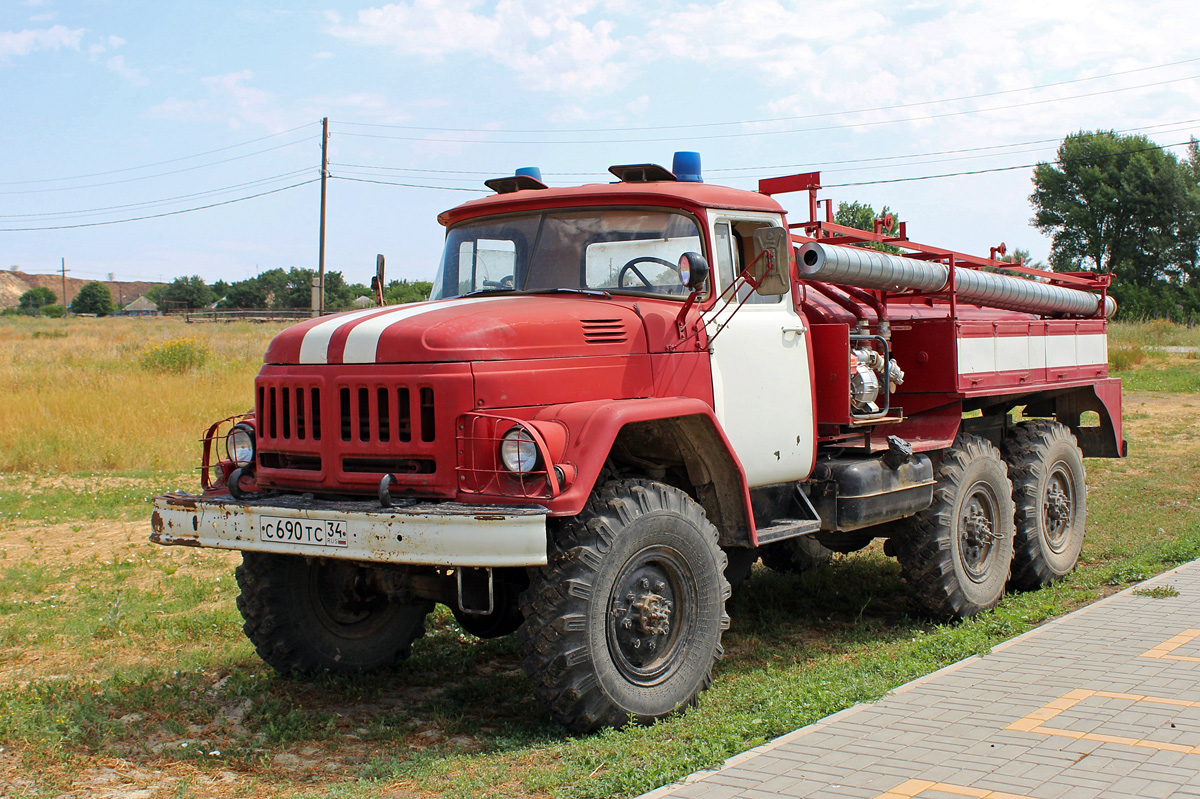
618 398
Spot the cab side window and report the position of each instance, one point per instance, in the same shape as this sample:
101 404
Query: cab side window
726 265
743 235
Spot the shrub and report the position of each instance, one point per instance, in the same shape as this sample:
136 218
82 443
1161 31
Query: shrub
174 355
1125 356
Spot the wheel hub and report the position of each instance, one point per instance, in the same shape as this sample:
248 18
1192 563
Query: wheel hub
651 615
646 622
978 533
1058 510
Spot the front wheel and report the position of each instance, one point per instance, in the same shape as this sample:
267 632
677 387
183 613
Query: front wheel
956 554
625 621
306 615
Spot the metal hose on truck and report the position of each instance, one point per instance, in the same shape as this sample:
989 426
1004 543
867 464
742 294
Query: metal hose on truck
871 269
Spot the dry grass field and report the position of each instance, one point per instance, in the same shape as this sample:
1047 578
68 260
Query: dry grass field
124 673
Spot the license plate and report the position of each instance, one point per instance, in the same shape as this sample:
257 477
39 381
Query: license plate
317 532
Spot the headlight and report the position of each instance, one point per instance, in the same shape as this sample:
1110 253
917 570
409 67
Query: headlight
239 445
518 452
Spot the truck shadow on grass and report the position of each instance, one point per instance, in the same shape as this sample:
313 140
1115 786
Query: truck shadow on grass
456 695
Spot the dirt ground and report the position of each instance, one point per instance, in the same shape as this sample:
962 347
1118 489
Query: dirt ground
1172 419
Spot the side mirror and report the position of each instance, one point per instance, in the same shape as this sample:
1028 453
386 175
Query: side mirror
693 270
377 281
776 241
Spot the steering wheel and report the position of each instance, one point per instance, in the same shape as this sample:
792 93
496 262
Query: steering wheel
503 283
630 267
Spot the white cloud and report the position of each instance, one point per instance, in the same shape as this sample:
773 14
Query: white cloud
20 43
551 45
230 100
117 64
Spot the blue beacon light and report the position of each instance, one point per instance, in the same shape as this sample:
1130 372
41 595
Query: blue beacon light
686 166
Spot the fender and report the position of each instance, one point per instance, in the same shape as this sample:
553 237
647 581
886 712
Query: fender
686 428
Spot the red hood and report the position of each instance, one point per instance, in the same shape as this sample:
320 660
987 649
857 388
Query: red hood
470 329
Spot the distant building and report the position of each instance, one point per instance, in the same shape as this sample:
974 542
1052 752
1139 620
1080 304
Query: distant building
142 306
364 302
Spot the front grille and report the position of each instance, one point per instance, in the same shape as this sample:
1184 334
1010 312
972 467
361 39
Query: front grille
289 413
366 414
604 331
390 465
344 432
285 460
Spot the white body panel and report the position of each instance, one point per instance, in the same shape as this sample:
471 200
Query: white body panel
762 393
478 536
1020 353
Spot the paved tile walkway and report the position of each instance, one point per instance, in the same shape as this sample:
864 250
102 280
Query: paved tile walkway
1104 702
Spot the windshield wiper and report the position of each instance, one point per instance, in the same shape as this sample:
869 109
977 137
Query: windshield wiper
500 290
588 292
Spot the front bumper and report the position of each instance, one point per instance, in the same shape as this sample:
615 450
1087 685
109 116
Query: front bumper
429 533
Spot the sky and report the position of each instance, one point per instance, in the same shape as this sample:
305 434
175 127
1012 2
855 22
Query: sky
119 109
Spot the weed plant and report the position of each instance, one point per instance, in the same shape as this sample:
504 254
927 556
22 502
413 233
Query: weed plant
178 355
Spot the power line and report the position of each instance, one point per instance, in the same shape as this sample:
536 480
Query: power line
1000 168
159 216
164 200
158 163
944 115
160 174
782 119
409 185
874 162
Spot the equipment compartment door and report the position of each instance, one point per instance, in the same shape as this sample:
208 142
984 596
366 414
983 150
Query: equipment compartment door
760 364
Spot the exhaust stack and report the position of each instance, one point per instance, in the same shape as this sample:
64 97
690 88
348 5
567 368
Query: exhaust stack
871 269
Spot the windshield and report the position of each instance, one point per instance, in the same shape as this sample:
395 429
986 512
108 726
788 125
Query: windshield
601 249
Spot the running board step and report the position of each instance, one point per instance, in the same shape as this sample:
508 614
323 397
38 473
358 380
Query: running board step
808 521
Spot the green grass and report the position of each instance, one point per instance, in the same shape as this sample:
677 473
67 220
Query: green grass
134 653
1174 376
85 496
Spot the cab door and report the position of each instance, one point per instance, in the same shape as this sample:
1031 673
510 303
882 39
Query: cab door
762 391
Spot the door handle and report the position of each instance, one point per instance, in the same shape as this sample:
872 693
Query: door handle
794 328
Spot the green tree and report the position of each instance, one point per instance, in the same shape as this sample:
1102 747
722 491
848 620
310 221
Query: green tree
187 292
249 293
1118 204
398 292
862 216
93 298
1123 205
32 301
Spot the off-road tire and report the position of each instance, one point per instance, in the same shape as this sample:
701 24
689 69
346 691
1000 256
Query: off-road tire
639 539
795 555
956 554
1050 495
304 615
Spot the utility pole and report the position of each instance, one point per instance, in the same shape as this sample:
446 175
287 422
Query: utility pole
324 177
64 277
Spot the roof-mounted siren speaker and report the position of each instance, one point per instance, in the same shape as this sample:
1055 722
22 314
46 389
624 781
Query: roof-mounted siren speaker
526 177
686 166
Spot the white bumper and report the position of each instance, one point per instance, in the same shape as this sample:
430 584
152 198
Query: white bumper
432 534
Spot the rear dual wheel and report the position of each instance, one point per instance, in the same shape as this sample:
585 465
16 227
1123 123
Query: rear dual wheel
1050 494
